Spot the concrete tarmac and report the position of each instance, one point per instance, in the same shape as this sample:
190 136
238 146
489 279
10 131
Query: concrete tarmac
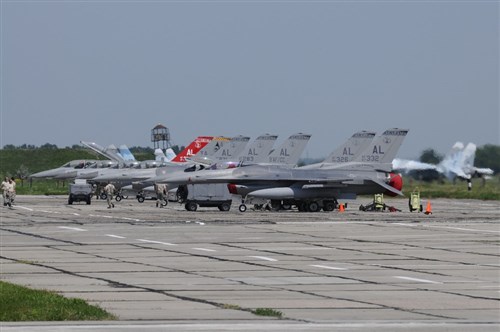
167 269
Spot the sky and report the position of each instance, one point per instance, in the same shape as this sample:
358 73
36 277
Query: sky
110 71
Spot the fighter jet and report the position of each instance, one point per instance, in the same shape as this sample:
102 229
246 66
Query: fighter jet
70 169
126 176
312 188
458 163
287 154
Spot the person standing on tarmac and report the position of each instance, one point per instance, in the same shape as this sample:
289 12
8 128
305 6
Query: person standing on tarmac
109 190
161 194
7 191
5 187
13 195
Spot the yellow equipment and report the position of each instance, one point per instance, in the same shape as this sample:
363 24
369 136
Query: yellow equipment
414 202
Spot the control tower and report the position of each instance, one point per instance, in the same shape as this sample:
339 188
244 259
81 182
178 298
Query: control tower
160 136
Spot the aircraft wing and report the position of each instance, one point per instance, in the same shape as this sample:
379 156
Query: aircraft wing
483 171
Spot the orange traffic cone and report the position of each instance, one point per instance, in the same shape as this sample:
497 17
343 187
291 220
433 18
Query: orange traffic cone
428 209
341 208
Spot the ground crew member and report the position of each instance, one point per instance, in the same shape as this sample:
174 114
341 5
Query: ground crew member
109 190
7 190
161 194
13 196
5 186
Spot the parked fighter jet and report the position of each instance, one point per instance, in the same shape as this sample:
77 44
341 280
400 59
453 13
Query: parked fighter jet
70 169
125 176
458 163
313 188
287 154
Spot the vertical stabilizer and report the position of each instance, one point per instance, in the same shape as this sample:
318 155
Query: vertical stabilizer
348 151
258 150
124 151
383 148
229 150
169 154
193 148
290 151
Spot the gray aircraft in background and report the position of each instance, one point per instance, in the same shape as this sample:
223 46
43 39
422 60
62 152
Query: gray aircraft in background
288 153
458 163
134 180
115 158
311 189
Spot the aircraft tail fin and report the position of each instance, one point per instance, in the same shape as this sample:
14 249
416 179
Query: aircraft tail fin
258 150
469 154
383 148
170 154
124 151
160 156
290 150
453 162
348 151
229 150
193 148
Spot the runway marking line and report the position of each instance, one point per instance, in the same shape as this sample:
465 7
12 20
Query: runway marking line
73 228
464 229
269 259
116 236
24 208
204 249
133 219
156 242
418 280
329 267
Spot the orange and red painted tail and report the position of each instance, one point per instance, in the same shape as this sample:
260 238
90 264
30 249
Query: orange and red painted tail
193 148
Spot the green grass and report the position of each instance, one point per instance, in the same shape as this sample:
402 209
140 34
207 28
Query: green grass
19 303
42 187
489 191
267 312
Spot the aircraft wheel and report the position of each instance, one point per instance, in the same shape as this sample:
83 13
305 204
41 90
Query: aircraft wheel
164 202
118 198
191 206
140 199
242 208
224 207
103 196
328 206
313 207
275 205
286 206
